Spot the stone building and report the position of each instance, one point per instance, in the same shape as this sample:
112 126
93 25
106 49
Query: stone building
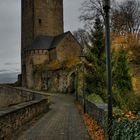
44 43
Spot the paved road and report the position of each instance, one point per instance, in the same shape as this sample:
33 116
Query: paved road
62 122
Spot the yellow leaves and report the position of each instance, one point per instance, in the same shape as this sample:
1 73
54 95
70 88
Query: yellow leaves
119 41
128 115
119 119
90 65
126 41
72 62
135 69
54 65
134 82
80 63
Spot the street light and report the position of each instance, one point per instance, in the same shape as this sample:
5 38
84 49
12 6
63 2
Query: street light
106 6
76 84
84 92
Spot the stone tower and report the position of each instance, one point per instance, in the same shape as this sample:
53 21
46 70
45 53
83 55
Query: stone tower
39 17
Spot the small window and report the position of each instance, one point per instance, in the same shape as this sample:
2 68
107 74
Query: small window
40 21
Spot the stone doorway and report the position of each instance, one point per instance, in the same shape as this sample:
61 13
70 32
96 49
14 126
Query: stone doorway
72 80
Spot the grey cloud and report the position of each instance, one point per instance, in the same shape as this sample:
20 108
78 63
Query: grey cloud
3 70
10 28
11 63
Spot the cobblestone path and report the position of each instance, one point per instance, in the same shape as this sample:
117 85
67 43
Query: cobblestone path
62 122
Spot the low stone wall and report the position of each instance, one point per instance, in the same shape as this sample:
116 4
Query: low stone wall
11 96
12 118
96 111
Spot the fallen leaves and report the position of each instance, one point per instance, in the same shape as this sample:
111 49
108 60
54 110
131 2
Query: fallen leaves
128 115
95 131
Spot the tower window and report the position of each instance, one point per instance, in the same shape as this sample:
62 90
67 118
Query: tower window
40 21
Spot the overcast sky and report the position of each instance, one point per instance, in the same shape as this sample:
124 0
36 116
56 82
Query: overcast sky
10 30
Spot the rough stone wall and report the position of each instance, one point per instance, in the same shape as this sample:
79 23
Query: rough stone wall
34 58
27 23
96 111
12 118
16 96
17 116
53 55
57 81
68 49
61 81
11 122
39 17
48 18
27 32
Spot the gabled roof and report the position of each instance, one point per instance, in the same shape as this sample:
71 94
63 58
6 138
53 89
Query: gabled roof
47 42
42 42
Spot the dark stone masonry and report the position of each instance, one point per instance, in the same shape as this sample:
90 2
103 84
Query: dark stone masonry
15 116
97 111
11 96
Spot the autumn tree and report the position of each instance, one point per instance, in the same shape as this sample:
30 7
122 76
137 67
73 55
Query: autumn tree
126 18
126 23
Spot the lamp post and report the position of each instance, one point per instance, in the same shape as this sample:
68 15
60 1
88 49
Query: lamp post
84 92
106 6
76 84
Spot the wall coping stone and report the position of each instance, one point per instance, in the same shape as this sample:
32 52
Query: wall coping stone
15 108
14 117
97 111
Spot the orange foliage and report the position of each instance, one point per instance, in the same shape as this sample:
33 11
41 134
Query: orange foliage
119 41
95 131
72 62
126 41
128 115
54 65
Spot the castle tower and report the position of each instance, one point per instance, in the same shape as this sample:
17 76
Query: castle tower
39 17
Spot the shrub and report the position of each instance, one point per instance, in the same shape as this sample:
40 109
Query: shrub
128 101
95 98
121 72
125 130
96 64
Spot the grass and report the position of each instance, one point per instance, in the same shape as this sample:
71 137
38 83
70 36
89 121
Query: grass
137 85
117 110
135 69
95 98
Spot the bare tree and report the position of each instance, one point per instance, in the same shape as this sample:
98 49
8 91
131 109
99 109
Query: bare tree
126 18
89 10
82 36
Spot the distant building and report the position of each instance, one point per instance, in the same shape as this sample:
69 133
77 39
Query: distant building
46 48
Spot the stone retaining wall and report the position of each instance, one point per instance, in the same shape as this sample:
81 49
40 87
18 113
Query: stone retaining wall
11 96
96 111
12 118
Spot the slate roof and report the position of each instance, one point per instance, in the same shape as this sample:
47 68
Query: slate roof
47 42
